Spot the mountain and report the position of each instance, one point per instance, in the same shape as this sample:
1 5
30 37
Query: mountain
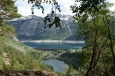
32 28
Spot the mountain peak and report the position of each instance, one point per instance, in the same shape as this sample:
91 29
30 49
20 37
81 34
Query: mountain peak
24 17
62 17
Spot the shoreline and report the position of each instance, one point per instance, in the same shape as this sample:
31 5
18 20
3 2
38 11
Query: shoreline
56 41
50 49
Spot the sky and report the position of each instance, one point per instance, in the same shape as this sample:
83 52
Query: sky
25 9
112 1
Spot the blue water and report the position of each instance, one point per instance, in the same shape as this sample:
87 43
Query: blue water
54 45
58 65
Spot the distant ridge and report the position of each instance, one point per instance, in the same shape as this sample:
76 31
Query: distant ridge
32 28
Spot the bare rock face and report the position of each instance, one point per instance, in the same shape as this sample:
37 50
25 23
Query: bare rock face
15 38
6 58
48 73
26 73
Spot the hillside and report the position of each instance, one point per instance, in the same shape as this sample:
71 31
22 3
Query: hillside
32 28
16 56
17 59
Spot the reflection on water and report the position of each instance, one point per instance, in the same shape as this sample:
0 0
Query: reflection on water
58 65
55 45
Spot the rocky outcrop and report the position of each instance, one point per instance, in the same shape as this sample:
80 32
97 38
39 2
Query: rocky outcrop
26 73
6 59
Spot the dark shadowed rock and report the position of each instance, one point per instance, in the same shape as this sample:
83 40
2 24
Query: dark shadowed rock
26 73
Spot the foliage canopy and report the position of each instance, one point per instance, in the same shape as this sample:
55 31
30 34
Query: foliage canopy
8 9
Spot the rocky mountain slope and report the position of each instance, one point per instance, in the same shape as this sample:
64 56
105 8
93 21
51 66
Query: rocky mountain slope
16 56
32 28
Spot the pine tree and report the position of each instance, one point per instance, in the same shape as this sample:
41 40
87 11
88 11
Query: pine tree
8 9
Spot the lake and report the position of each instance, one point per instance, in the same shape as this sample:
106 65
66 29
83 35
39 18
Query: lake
58 65
54 44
